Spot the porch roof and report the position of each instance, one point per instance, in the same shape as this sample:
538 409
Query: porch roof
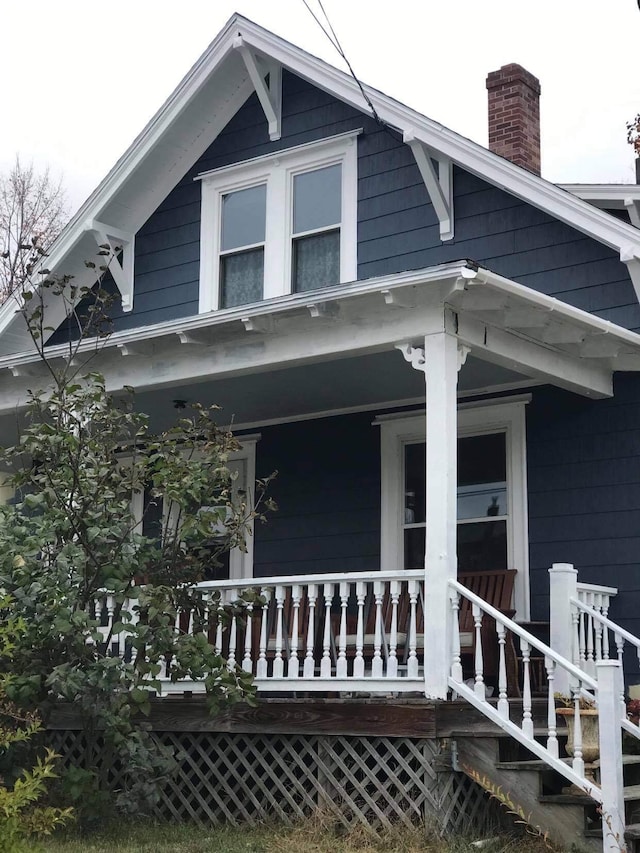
499 320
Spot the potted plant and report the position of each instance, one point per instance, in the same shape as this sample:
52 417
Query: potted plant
588 726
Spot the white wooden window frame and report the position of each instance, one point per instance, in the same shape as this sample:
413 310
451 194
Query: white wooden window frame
277 171
240 562
473 419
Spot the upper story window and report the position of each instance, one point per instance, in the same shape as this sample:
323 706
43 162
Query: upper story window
279 224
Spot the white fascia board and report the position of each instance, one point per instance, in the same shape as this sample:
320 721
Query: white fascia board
608 196
270 308
467 154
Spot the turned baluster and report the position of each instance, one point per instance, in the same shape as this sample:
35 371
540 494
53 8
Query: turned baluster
552 734
376 664
261 669
527 718
293 669
278 662
503 702
392 663
247 661
309 661
358 663
479 662
578 762
456 658
341 663
325 663
412 661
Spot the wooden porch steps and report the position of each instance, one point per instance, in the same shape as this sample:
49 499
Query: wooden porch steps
534 792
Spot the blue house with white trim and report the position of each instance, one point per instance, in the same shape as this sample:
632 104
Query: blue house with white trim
435 347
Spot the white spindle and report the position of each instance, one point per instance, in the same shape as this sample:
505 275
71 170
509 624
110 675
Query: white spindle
552 735
527 719
261 669
590 629
219 611
111 606
582 646
325 663
605 633
341 663
293 669
456 660
376 663
309 661
247 662
503 702
479 662
278 662
412 660
358 663
392 663
578 763
233 636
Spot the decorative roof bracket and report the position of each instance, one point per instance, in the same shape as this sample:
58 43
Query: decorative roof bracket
439 184
632 206
121 272
269 95
630 257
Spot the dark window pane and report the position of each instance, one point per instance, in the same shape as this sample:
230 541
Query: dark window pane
482 459
152 518
218 573
414 542
482 475
414 483
243 217
482 546
316 261
241 278
317 199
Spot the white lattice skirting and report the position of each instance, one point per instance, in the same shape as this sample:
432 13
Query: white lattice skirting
248 778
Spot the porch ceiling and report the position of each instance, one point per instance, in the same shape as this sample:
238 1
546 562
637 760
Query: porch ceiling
374 381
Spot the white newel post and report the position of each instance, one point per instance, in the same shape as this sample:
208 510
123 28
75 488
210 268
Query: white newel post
563 586
609 675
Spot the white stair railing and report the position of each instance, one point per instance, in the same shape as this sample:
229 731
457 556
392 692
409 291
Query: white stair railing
494 631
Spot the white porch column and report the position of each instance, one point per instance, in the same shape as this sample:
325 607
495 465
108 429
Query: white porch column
440 361
563 585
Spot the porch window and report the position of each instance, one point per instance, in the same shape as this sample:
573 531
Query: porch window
491 507
482 503
279 224
235 563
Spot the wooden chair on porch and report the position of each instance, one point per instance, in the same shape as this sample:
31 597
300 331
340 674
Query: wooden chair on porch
496 588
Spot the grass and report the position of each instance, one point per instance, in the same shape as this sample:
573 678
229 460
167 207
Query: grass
316 835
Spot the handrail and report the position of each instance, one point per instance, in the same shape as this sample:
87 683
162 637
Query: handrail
547 651
597 588
604 620
291 580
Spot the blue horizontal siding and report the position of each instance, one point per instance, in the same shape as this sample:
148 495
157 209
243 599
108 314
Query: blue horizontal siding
328 495
584 492
397 226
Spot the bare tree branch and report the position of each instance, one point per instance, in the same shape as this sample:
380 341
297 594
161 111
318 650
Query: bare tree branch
33 211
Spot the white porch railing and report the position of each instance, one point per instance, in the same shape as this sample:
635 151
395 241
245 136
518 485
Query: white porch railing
352 632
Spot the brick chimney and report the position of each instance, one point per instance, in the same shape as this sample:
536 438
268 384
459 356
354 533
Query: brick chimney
514 116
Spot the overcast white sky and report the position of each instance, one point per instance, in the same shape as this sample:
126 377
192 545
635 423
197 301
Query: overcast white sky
82 78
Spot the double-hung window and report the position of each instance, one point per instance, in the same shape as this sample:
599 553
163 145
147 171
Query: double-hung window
283 223
491 517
